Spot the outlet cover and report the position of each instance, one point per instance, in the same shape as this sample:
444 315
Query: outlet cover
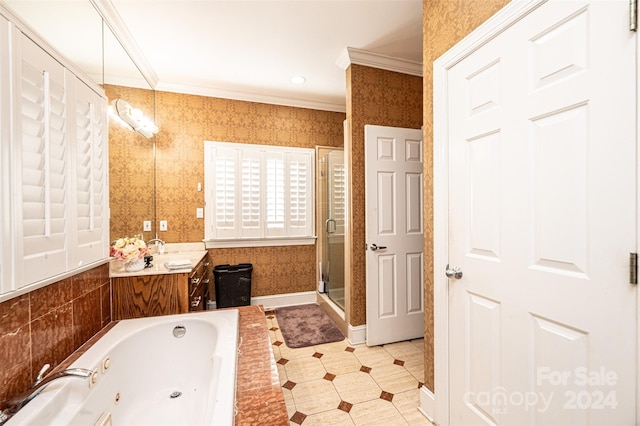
199 213
146 226
163 225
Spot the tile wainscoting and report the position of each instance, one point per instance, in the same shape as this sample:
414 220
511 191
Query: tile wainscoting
49 324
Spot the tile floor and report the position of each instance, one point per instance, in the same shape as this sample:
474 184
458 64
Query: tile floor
342 384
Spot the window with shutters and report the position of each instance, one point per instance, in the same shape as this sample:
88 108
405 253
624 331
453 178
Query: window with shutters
258 195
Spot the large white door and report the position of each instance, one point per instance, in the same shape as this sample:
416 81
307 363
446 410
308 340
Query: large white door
394 234
542 218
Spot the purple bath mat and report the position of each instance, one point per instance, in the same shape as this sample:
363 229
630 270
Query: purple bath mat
306 325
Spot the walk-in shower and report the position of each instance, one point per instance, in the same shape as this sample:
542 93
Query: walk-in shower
331 218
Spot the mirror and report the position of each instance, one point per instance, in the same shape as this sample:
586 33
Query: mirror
93 49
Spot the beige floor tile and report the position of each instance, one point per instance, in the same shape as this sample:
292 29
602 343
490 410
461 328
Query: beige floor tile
340 362
276 352
407 403
356 387
315 396
332 347
373 356
289 353
282 373
304 369
394 379
404 350
288 400
416 368
419 343
331 417
376 412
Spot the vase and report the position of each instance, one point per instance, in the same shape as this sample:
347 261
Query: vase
134 266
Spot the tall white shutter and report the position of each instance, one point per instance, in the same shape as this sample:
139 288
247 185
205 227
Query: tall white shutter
225 163
6 281
251 194
91 163
300 187
337 193
44 158
275 194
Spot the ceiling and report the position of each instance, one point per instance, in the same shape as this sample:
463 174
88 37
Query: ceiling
249 49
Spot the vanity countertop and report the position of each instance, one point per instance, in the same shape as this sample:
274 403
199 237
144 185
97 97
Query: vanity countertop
193 252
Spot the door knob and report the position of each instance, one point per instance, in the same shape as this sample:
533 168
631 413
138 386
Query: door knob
454 272
375 247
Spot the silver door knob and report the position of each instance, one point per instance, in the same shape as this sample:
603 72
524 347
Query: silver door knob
375 247
454 272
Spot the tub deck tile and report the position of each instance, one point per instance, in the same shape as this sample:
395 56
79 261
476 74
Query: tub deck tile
259 397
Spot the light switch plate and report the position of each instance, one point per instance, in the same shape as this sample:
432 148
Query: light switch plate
146 226
163 225
199 213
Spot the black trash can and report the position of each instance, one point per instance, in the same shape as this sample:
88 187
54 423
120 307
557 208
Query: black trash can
233 285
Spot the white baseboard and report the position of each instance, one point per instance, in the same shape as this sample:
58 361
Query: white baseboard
357 334
279 300
427 404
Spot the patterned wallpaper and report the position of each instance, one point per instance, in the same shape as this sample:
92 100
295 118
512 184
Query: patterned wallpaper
130 168
444 23
383 98
185 122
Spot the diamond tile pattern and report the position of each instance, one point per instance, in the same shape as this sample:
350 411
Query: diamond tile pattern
343 384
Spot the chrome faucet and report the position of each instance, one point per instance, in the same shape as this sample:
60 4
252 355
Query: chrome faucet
14 404
158 241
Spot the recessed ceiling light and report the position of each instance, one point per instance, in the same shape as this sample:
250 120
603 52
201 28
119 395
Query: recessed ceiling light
298 79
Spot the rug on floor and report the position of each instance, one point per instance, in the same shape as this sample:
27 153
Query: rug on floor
306 325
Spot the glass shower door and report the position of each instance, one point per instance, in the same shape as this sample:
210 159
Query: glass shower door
334 227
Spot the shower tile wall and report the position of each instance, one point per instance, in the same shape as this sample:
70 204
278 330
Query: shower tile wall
48 324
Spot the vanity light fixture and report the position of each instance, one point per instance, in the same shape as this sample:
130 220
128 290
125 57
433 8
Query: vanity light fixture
298 79
132 118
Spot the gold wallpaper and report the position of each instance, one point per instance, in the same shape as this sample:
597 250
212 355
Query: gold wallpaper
130 168
185 122
444 23
378 97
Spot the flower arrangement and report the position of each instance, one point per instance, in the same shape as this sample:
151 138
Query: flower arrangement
129 250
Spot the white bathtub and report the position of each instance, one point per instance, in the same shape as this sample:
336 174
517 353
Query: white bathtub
148 368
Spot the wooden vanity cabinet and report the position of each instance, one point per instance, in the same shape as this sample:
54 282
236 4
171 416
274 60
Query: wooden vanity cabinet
160 294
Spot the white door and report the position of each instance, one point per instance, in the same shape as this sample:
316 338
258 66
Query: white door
394 234
542 218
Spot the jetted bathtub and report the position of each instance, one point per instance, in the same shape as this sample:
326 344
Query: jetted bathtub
167 370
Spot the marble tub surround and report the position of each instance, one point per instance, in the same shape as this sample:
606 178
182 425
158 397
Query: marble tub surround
259 397
48 324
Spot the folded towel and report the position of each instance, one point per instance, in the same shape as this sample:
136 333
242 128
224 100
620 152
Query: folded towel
179 264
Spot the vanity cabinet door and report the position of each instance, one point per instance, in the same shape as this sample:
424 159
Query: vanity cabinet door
41 166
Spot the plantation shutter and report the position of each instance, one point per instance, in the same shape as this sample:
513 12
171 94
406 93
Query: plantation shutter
91 175
225 163
259 193
299 193
44 159
337 195
275 200
251 194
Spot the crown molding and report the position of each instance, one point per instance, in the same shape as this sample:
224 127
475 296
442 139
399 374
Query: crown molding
352 55
112 18
251 97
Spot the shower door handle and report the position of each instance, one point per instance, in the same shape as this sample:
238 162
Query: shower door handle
327 225
375 247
